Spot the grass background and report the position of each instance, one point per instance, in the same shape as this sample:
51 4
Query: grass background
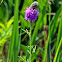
46 36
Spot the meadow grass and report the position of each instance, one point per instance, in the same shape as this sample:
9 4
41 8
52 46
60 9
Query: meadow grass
30 41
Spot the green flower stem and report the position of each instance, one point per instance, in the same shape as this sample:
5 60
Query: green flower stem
30 39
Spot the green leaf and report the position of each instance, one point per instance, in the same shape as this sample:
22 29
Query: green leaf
25 48
59 33
2 26
53 27
9 23
54 22
14 44
55 58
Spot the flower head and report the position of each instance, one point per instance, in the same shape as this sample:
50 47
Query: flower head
31 14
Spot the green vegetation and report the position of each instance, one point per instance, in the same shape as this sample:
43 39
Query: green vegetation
21 42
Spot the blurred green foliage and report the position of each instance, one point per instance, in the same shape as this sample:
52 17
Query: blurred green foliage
15 30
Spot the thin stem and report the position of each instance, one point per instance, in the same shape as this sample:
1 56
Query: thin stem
30 39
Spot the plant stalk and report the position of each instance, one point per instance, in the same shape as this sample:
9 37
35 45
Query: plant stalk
30 39
49 53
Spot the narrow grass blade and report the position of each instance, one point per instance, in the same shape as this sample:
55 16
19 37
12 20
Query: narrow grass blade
49 47
14 44
53 28
55 58
54 22
59 33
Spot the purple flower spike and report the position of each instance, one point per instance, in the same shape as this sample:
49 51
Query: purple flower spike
31 14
